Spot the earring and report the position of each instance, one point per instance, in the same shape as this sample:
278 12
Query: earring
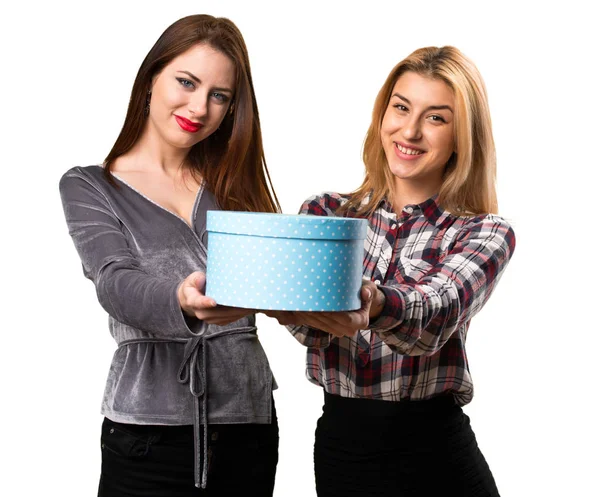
147 107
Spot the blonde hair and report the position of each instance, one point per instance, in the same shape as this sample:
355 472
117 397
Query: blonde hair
469 181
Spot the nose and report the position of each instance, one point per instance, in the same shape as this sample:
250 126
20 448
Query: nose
198 105
412 128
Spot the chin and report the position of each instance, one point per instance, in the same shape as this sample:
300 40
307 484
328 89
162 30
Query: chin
402 172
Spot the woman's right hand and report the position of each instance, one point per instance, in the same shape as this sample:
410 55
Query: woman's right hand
340 323
195 304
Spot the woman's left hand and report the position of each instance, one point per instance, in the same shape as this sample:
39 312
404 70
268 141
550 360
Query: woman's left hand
336 323
195 303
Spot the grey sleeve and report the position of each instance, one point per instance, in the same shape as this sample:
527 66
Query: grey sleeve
125 291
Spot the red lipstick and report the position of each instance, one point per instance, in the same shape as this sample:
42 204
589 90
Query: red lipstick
187 125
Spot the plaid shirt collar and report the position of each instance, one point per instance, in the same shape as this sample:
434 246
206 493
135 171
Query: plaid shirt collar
428 208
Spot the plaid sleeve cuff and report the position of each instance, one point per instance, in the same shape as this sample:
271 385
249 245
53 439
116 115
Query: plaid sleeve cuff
391 317
310 337
393 310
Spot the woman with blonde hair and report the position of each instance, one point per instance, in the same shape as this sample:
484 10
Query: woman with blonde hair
188 400
395 372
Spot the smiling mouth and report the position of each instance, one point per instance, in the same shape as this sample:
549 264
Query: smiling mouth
187 125
408 151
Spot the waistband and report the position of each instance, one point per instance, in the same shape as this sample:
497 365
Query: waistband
352 407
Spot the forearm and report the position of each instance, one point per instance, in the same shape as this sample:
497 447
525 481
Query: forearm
418 318
143 301
418 321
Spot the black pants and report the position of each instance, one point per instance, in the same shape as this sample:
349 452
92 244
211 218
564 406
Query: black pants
377 448
153 461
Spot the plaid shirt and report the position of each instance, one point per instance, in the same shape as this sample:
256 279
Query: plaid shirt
437 271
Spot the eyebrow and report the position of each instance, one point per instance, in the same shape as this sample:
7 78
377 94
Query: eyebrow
197 80
431 107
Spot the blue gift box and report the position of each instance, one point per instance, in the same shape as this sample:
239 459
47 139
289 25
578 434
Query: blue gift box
284 262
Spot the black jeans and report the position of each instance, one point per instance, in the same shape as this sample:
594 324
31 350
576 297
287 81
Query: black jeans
376 448
153 461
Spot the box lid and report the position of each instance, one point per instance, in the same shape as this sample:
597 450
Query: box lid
286 225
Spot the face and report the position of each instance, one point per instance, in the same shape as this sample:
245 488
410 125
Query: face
191 96
417 131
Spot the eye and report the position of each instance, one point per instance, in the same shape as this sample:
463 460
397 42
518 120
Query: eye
436 118
219 97
401 107
186 83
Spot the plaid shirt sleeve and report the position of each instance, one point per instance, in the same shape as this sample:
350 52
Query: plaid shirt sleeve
418 318
318 205
309 337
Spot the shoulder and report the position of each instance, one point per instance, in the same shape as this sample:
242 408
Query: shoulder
323 204
92 174
491 227
79 182
487 222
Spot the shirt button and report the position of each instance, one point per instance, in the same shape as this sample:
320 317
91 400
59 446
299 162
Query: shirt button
111 431
377 282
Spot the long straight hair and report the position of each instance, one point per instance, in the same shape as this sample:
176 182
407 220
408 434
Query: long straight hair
230 160
468 186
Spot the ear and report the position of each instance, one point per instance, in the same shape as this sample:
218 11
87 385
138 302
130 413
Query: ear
153 81
232 107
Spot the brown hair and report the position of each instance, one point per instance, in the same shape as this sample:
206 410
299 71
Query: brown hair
469 179
231 161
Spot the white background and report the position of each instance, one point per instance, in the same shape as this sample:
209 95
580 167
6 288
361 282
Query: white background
67 70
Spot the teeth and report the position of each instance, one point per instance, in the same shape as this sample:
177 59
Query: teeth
408 151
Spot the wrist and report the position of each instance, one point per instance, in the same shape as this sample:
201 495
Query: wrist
377 305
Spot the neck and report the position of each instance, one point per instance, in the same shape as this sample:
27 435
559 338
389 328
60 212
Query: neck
152 152
413 192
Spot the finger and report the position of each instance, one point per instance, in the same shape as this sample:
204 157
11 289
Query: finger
230 308
344 323
366 293
233 311
352 320
217 316
279 316
324 322
284 318
199 279
208 315
223 313
366 302
199 302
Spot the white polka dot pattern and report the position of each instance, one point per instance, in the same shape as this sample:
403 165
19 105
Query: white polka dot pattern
283 262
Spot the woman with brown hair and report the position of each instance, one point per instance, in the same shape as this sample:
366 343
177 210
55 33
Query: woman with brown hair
395 372
188 401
